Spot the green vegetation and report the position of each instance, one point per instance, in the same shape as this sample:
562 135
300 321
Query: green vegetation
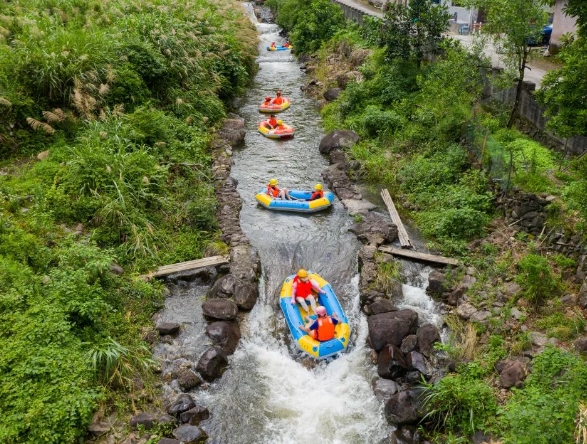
120 99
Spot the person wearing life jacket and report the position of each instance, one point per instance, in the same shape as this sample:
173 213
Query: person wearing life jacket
278 100
302 290
318 192
280 124
272 45
275 192
267 101
286 44
322 329
272 121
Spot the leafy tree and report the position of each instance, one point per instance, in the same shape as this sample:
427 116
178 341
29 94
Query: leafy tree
321 21
414 31
513 25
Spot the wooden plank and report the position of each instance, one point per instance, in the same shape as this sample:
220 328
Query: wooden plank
402 234
419 256
189 265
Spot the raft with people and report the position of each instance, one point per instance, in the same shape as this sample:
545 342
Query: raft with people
281 131
299 203
296 317
269 107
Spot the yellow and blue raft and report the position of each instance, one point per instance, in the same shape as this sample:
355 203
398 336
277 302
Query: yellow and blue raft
294 316
301 205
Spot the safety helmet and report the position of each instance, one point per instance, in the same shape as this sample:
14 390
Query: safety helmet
318 187
268 98
321 311
272 181
280 122
302 273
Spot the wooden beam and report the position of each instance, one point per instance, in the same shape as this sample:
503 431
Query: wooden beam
189 265
419 256
402 234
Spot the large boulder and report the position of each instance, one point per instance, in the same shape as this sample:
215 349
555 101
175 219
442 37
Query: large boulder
417 361
167 328
187 379
233 131
581 344
428 335
409 344
243 293
142 419
212 364
384 388
338 140
435 283
374 229
189 434
391 327
225 335
223 309
404 407
245 263
382 306
391 363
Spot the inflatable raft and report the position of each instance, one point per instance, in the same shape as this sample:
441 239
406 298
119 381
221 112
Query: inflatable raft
300 206
286 132
271 108
294 317
279 48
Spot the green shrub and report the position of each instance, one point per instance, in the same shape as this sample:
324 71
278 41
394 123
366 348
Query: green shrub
537 279
458 403
321 21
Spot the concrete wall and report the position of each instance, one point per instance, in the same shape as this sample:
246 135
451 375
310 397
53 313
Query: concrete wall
561 24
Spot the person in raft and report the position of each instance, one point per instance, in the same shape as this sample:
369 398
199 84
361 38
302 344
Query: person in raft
302 290
322 329
318 193
267 101
278 100
275 192
272 45
287 44
272 121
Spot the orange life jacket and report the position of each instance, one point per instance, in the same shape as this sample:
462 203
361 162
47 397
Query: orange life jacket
318 194
272 122
325 331
278 100
272 191
303 289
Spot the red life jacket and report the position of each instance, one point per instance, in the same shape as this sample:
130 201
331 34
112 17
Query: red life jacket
325 331
318 194
272 191
278 100
303 289
272 122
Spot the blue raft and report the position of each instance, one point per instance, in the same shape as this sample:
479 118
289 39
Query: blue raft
300 206
279 48
294 317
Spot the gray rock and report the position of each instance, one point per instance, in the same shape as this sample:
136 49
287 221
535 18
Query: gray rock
404 407
116 269
384 388
537 338
167 328
168 441
223 309
357 206
409 343
189 434
582 296
225 335
427 335
480 316
374 229
382 306
516 314
195 415
143 419
465 311
332 94
181 404
212 364
391 328
513 374
99 428
417 361
581 344
338 140
435 283
187 379
244 261
511 289
243 293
